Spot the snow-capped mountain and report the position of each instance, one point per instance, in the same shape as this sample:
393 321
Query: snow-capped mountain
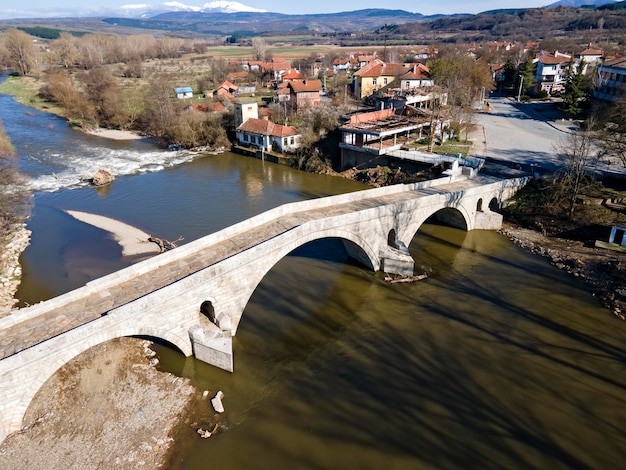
580 3
129 11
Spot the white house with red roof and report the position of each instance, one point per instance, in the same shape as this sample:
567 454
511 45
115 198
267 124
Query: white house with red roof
417 77
262 133
551 71
266 135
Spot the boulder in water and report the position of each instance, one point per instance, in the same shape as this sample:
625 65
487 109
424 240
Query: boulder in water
102 177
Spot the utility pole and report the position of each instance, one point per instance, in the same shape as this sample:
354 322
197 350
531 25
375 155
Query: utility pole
519 93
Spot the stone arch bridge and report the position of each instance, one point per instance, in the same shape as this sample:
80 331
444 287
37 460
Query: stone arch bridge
194 296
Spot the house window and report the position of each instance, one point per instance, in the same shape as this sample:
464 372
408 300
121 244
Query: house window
373 81
291 141
312 95
285 142
384 81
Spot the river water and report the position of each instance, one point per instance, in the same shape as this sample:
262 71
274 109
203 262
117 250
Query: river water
497 360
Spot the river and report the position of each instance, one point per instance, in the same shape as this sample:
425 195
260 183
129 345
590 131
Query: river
497 360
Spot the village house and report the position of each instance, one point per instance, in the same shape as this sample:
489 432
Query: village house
344 65
551 71
590 57
267 136
237 77
276 67
225 89
304 93
417 77
291 75
183 92
374 76
611 80
262 133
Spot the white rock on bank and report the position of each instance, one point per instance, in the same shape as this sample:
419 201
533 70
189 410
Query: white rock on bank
217 402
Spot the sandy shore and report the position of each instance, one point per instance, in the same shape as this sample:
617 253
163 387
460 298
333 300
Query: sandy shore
132 240
113 134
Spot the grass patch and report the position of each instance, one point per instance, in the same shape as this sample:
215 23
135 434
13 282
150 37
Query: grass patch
452 148
26 91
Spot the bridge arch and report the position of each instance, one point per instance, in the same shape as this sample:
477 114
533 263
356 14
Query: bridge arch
456 216
356 246
39 372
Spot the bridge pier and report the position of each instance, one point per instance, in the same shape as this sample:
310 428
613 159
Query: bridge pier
396 260
213 346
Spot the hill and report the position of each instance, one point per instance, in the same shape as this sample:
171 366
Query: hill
257 23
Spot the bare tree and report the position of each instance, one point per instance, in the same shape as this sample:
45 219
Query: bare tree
612 136
260 48
22 54
65 50
578 156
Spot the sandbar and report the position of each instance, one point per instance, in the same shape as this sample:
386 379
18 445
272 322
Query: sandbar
132 240
114 134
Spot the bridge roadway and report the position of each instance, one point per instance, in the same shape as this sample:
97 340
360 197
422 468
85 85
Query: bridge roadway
79 307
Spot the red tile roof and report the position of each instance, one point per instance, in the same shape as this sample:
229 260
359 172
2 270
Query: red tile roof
418 72
378 68
305 85
292 75
263 127
237 75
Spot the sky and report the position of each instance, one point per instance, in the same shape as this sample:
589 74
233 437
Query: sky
426 7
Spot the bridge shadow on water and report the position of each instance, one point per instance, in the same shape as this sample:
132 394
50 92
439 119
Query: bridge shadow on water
513 389
458 371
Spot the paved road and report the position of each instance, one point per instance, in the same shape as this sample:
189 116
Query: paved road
525 133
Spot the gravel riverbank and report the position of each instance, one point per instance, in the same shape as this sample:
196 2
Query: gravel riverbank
10 268
108 408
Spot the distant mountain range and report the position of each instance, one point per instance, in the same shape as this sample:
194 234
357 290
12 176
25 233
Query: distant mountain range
222 17
127 11
144 10
581 3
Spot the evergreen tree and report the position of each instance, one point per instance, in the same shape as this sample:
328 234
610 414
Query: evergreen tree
527 71
576 87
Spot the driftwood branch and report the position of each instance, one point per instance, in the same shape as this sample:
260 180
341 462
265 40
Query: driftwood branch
165 245
405 279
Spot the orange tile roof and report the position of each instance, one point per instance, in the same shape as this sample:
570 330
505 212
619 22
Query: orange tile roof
292 75
552 60
305 85
378 68
263 127
237 75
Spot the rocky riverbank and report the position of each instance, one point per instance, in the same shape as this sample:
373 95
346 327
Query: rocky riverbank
10 268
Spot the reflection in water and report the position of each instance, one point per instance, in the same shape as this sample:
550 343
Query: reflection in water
496 361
